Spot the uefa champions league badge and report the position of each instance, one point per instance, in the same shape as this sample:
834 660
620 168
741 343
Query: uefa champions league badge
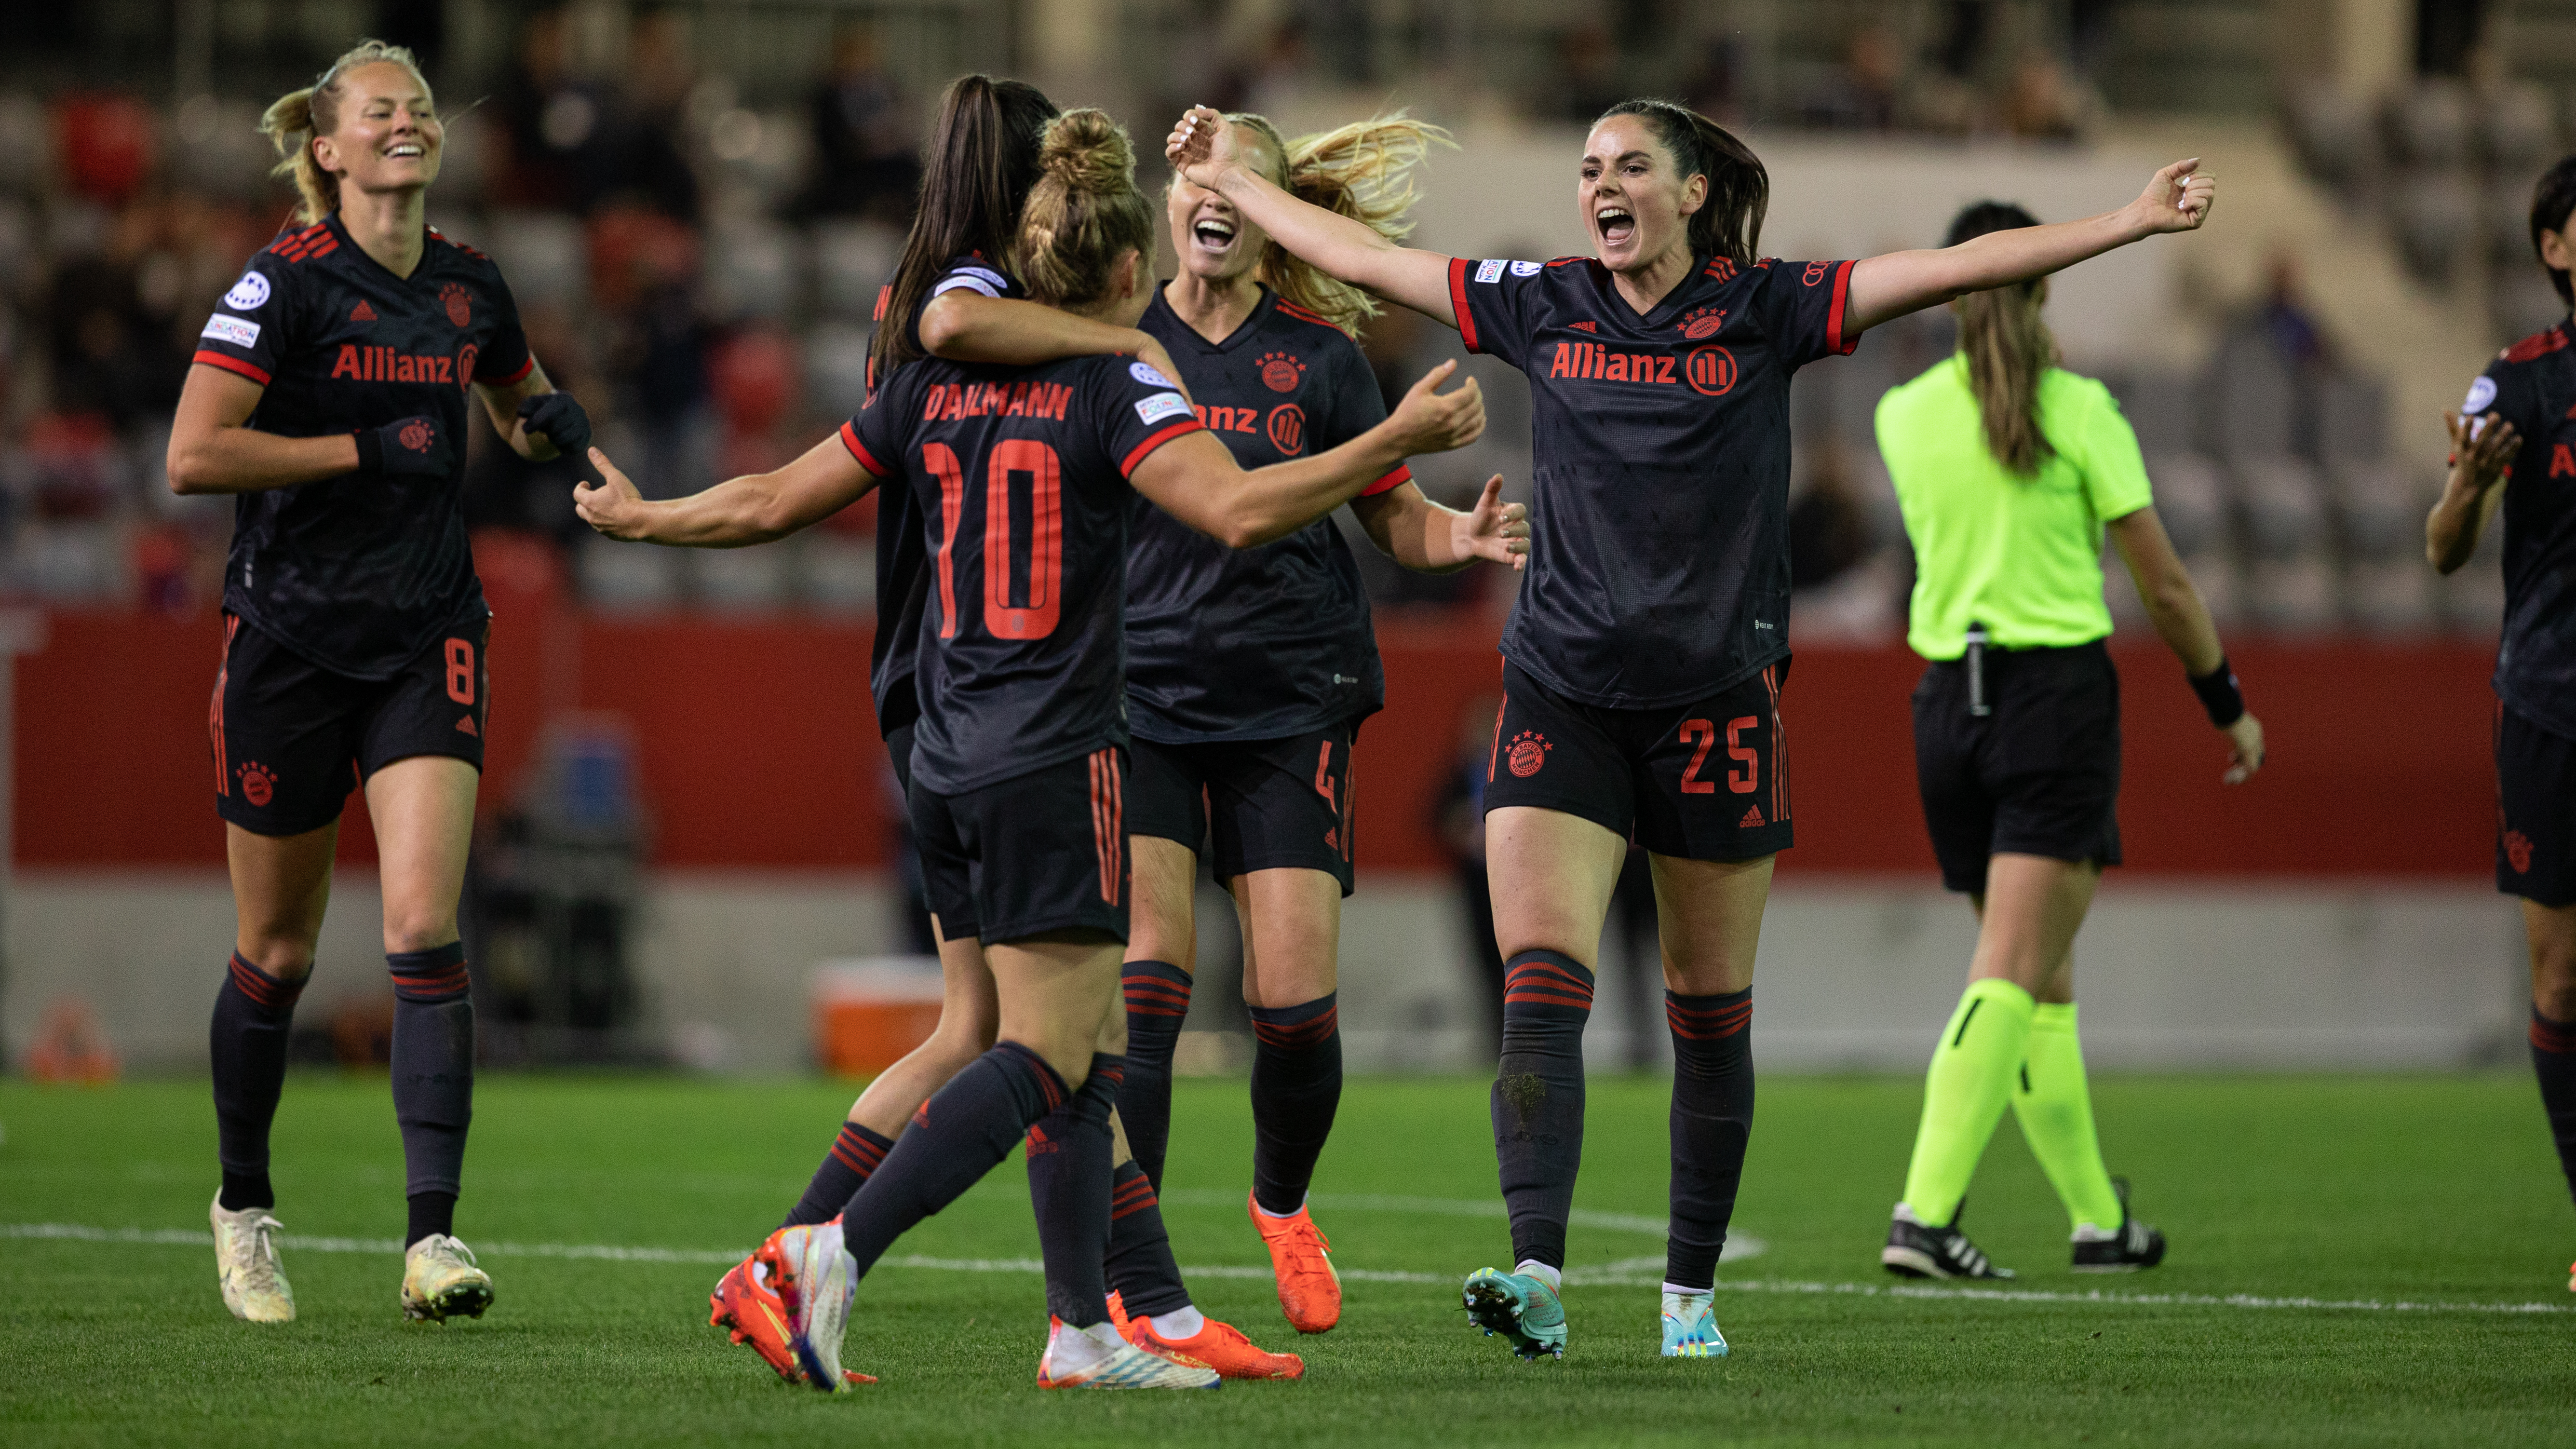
248 294
1148 374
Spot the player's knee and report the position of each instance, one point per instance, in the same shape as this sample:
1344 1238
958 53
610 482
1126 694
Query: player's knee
424 932
285 957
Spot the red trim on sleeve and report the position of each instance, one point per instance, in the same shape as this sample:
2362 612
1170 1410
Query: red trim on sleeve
1402 475
232 364
1458 303
524 369
1835 340
1137 454
859 450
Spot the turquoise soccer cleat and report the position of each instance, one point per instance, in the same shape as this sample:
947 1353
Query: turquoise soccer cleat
1520 1308
1690 1329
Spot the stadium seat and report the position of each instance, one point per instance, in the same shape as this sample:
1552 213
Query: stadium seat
2297 595
2352 419
2189 498
2164 408
2429 125
2435 214
2221 584
742 580
2517 128
2392 596
26 144
840 574
2284 503
2382 506
852 260
754 269
2333 132
2253 399
2473 598
836 368
627 576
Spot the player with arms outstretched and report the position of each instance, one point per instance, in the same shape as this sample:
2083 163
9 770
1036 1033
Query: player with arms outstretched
1646 650
1022 475
2512 441
330 394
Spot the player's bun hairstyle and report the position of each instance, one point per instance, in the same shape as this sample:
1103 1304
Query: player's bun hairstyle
2009 347
983 158
299 116
1729 222
1362 171
1083 212
2551 202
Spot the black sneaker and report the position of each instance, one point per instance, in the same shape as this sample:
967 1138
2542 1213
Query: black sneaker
1916 1249
2134 1246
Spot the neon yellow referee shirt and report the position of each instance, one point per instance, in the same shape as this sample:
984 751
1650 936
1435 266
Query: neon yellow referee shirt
2022 556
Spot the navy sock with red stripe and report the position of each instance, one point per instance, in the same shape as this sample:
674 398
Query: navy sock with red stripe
433 1070
1538 1098
1158 1000
959 1135
2553 1060
1140 1264
1069 1187
855 1153
1296 1089
253 1013
1712 1119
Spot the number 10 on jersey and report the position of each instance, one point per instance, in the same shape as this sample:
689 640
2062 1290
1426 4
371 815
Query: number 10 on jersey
1023 536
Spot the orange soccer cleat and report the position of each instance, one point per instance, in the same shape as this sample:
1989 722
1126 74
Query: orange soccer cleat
1310 1292
752 1314
1219 1346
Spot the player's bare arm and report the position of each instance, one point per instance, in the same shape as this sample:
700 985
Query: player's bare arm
213 450
2481 454
511 416
1883 288
739 512
966 326
1430 538
1194 478
2182 620
1202 148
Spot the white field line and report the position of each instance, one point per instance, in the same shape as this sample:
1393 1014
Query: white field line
1625 1272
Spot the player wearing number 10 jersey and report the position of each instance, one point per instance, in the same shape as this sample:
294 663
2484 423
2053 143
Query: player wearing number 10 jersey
330 394
1021 477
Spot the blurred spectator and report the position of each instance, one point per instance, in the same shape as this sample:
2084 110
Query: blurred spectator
650 118
2043 104
1864 92
552 125
1828 530
1458 819
644 280
1715 87
105 143
113 352
1283 74
2284 317
1587 79
866 159
753 376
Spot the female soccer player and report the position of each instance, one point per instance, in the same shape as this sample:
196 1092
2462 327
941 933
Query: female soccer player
2516 424
2008 467
1644 655
1022 477
330 393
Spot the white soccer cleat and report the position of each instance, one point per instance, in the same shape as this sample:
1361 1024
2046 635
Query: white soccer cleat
442 1281
247 1267
1690 1329
1097 1358
816 1278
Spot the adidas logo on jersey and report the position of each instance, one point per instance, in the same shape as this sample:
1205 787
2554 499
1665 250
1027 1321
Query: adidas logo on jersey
465 726
362 313
1752 818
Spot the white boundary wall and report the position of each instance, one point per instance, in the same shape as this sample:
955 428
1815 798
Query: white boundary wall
1854 975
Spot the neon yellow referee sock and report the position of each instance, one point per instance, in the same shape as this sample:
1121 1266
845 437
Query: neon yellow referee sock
2056 1112
1963 1095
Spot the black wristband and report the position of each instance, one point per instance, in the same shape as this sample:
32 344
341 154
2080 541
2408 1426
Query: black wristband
371 451
2219 694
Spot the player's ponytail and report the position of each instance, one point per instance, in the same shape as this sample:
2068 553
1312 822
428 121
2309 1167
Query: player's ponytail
298 117
983 159
1729 221
2009 347
1083 212
1362 171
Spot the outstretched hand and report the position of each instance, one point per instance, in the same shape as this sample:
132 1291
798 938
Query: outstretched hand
1435 422
2484 446
2179 197
613 506
1201 146
2244 749
1493 530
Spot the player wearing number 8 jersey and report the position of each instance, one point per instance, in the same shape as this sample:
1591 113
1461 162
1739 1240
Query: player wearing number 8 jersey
1646 649
330 393
1020 475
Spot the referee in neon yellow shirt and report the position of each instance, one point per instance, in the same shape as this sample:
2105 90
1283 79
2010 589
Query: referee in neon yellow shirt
2009 469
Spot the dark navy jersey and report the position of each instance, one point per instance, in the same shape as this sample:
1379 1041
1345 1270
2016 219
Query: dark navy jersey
1258 643
1659 541
903 569
1020 477
359 573
2533 385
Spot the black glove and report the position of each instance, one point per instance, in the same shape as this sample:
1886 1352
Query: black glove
560 419
406 448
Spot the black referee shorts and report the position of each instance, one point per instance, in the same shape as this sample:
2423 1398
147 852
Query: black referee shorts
2535 811
1033 854
1251 804
291 739
1708 780
2038 776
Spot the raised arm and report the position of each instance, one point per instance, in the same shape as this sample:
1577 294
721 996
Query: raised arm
212 451
2470 494
2182 621
1431 539
1888 287
1202 148
963 325
754 508
1194 479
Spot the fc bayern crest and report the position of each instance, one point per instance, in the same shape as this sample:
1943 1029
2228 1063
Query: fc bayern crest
1281 372
1528 752
460 303
1704 322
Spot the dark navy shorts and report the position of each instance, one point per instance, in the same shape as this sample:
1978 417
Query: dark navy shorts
1251 804
1030 855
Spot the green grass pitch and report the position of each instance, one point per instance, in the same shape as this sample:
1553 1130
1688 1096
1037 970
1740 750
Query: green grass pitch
2350 1190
